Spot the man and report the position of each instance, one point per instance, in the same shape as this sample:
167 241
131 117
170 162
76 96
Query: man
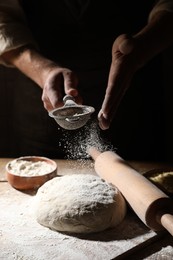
65 47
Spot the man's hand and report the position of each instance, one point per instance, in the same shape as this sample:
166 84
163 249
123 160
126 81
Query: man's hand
124 65
131 53
55 80
59 82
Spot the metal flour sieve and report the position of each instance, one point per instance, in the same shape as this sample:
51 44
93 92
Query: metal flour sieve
71 116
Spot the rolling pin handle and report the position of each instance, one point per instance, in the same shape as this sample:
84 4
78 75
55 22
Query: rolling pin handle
93 152
167 222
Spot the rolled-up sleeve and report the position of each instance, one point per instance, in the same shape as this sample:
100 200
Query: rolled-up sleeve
14 31
161 5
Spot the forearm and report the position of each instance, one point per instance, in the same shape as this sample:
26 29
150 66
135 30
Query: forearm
28 60
156 36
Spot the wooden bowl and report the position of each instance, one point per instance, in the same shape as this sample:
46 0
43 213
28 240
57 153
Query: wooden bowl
24 173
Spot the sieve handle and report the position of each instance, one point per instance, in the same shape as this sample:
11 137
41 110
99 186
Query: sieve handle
69 101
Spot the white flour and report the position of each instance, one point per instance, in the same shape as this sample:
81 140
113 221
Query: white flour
28 168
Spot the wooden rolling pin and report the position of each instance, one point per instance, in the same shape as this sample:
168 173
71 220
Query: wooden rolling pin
151 205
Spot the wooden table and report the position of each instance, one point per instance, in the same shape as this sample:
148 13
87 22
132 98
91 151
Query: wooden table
22 238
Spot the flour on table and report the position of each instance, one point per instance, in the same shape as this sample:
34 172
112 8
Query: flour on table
79 203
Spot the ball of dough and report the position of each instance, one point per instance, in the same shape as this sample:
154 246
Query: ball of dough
79 203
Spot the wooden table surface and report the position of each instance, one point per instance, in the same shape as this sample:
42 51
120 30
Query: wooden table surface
22 238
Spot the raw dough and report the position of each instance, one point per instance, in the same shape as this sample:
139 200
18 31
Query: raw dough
79 203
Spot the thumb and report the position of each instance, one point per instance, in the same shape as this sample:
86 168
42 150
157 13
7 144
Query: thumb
127 44
124 43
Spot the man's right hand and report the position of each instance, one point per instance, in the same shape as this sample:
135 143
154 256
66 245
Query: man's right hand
55 80
59 82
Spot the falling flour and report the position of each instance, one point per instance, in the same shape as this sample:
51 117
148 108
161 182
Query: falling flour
75 147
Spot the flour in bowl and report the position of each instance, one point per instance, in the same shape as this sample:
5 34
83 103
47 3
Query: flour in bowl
29 168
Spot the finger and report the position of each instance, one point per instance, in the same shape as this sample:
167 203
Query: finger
104 122
127 46
47 104
56 97
117 85
70 83
53 91
124 43
70 86
52 99
113 90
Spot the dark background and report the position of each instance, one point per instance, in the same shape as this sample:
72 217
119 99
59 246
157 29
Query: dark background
142 128
152 140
